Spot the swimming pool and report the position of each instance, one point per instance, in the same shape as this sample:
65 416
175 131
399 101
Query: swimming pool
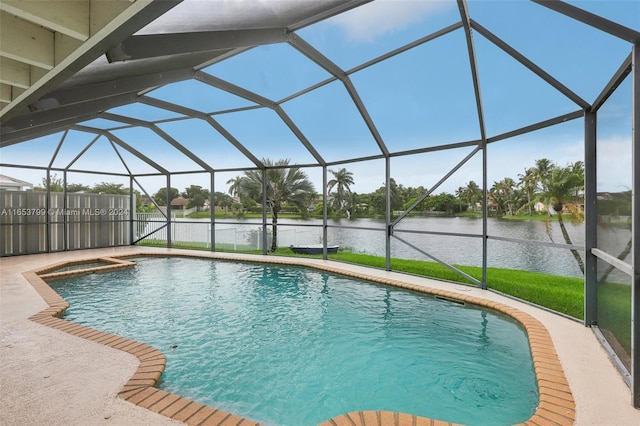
293 346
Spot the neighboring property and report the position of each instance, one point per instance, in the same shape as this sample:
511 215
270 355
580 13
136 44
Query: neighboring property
179 203
540 207
8 183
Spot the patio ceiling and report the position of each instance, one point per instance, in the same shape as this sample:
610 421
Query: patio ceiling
44 43
87 60
110 62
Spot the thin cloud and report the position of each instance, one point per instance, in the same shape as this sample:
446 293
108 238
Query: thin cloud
367 23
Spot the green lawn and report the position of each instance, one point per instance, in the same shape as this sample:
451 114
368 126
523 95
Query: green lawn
561 294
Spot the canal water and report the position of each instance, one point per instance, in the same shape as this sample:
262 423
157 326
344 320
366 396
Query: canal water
426 238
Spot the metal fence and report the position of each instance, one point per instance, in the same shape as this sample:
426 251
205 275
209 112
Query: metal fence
151 229
32 222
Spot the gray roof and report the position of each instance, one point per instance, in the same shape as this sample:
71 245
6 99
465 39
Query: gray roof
7 181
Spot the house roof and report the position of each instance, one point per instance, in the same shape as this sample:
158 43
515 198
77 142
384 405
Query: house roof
7 181
180 201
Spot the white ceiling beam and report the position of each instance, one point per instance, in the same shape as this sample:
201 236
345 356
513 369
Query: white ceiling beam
67 17
112 28
5 93
14 73
103 12
25 42
65 46
17 91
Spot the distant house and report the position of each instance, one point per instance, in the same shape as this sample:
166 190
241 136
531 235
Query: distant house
179 203
540 207
8 183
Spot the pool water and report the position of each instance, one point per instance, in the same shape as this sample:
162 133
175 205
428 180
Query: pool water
294 346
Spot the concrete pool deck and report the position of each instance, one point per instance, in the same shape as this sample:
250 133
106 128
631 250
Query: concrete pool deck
49 376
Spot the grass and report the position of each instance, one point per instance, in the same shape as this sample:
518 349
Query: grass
561 294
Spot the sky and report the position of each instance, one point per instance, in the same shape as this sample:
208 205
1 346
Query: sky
421 98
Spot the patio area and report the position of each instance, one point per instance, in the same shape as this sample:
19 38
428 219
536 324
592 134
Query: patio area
483 139
49 376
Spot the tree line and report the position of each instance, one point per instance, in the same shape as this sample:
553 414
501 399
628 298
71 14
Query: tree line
555 190
550 187
56 184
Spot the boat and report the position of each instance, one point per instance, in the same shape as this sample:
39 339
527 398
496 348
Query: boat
313 249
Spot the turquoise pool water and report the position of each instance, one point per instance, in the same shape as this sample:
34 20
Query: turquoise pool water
294 346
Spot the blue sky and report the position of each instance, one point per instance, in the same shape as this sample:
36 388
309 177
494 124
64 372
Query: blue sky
421 98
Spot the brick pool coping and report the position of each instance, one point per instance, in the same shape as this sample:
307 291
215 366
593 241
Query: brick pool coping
556 405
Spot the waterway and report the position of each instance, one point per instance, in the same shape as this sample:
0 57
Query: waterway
423 238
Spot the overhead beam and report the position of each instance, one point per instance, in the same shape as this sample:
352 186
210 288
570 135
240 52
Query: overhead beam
157 45
66 17
232 88
464 16
261 100
177 145
537 126
406 47
136 16
530 65
200 115
15 73
5 93
113 138
110 88
26 42
591 19
301 137
32 133
316 56
617 79
364 113
50 121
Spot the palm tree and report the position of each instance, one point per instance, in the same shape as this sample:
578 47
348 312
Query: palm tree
234 186
528 183
353 204
342 180
542 169
503 194
561 189
461 195
473 194
284 185
508 186
496 196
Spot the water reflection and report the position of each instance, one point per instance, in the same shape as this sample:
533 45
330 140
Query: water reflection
368 236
